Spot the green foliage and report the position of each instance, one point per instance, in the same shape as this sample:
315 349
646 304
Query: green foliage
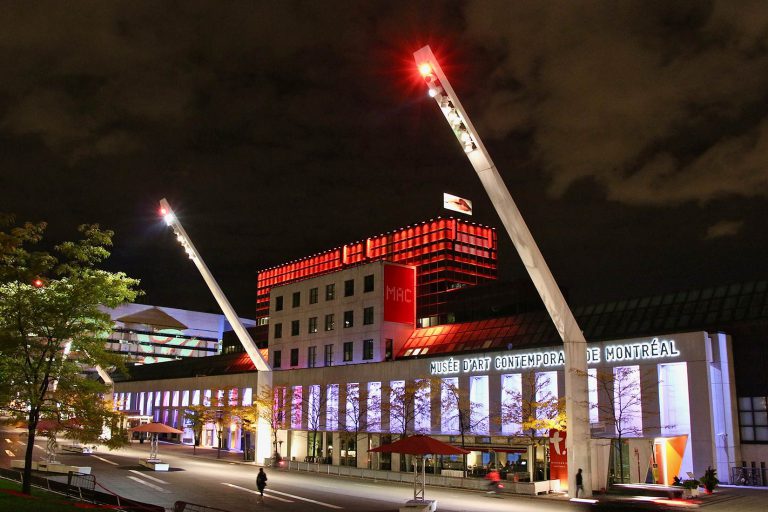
691 484
52 336
710 480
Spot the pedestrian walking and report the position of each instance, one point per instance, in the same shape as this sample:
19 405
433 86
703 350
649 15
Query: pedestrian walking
579 483
261 483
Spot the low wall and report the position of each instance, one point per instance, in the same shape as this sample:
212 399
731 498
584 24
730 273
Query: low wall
444 480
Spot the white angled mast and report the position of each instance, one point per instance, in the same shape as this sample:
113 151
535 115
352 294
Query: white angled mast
242 334
576 401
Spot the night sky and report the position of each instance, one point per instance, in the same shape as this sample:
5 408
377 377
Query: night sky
633 137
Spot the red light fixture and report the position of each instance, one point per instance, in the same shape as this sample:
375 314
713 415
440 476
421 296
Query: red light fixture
38 283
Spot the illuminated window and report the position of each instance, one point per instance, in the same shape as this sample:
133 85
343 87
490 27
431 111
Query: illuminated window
546 393
511 399
175 400
207 398
313 295
166 398
368 315
312 324
278 330
349 319
329 355
296 299
753 418
627 401
348 348
330 291
311 357
184 398
373 409
220 398
592 394
368 283
397 406
330 324
332 408
277 359
449 405
295 327
196 397
367 349
247 397
233 396
279 303
421 402
296 404
141 403
313 407
158 395
294 357
478 404
349 287
352 421
148 408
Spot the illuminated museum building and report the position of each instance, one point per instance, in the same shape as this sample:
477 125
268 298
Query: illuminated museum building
348 357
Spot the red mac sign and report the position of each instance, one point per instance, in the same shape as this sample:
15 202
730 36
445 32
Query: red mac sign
399 294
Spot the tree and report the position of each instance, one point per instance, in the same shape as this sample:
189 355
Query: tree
408 400
621 391
266 407
195 417
52 332
462 415
534 410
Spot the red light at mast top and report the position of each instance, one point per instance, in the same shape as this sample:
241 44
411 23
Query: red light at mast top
163 211
425 69
38 283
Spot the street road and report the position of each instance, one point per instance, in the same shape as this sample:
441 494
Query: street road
231 486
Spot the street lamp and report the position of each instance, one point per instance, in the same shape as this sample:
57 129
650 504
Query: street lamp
575 346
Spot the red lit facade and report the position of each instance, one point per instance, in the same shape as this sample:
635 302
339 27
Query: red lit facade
448 254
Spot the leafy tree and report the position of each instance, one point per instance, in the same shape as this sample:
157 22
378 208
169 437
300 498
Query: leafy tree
405 404
462 415
266 407
196 416
52 330
535 410
620 393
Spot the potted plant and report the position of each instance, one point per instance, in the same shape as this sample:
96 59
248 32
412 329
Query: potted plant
709 480
690 488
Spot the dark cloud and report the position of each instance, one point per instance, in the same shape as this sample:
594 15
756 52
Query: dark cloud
658 102
280 129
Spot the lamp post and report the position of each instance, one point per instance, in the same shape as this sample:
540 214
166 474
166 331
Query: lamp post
574 344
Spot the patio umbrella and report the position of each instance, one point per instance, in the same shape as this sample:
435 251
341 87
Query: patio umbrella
419 445
155 429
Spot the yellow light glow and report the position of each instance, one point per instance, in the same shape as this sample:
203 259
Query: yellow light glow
425 69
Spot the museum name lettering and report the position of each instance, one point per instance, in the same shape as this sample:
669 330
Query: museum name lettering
654 349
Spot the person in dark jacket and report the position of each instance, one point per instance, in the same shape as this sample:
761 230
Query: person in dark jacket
261 482
579 483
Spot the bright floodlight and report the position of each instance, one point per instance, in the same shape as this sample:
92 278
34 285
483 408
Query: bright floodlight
425 69
169 217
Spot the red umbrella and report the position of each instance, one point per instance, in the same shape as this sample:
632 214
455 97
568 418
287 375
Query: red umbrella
420 445
155 429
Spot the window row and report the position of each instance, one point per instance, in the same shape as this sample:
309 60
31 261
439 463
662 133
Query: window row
329 323
330 292
348 349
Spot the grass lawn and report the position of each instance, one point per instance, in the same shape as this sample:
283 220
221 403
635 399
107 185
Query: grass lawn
40 501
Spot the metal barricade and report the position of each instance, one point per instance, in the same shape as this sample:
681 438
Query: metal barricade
753 477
